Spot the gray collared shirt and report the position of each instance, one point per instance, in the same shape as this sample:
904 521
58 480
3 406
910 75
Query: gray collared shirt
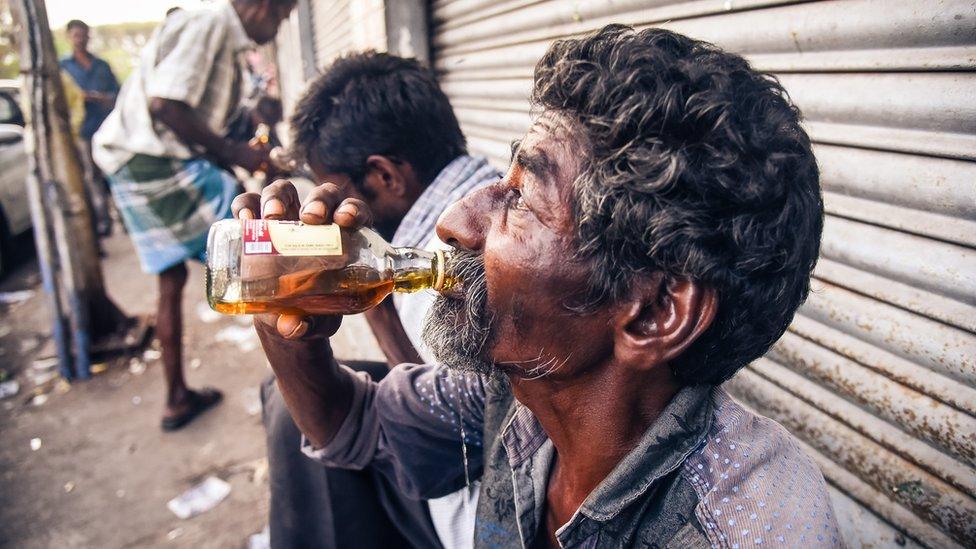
706 473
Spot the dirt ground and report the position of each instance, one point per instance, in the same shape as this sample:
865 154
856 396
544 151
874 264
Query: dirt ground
104 470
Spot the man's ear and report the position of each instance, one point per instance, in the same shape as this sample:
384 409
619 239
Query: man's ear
385 176
661 318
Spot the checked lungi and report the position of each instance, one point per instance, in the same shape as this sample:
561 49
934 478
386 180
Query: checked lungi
168 206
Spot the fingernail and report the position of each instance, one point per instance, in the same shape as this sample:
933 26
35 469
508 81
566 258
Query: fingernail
349 209
273 207
298 331
316 208
245 214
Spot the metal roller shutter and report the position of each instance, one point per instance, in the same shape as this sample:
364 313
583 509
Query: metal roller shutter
318 31
332 29
877 374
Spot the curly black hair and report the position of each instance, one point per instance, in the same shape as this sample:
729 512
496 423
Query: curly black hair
697 168
375 103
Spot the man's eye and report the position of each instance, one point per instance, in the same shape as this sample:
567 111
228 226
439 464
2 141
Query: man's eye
517 201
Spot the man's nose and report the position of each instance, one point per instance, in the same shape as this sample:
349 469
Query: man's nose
464 223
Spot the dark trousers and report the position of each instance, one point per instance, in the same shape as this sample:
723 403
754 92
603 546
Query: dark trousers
98 195
322 507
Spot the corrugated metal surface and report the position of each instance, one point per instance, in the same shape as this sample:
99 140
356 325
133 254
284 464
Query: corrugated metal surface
291 75
877 375
332 29
317 32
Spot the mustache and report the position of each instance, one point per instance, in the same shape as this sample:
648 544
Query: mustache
469 268
458 329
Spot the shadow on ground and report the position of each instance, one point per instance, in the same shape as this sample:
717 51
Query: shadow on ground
104 471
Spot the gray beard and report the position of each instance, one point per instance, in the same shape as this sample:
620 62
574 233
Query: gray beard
458 330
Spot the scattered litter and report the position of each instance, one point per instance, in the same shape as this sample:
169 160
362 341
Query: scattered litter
62 386
42 379
243 337
120 494
261 540
27 344
199 499
13 298
174 533
68 487
137 367
39 400
136 400
260 471
9 388
195 364
206 314
99 368
44 364
256 470
252 400
35 444
151 355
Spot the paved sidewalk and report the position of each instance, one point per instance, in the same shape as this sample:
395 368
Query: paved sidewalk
104 471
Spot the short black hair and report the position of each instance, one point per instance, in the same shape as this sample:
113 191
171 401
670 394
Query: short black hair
269 108
696 167
375 103
76 23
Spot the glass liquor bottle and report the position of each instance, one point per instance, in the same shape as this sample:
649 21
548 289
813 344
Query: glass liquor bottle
265 266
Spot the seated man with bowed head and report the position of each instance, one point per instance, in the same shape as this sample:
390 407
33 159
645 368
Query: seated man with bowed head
654 234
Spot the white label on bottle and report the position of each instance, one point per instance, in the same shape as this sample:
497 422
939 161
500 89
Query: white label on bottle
291 238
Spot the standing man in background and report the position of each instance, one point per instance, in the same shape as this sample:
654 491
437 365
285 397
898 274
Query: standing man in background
99 87
167 161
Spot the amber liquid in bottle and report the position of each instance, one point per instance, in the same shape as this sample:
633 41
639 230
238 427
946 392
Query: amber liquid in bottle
367 270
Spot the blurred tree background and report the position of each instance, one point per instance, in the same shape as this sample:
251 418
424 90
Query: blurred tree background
118 44
9 65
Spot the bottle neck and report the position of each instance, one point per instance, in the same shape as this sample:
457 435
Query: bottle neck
415 270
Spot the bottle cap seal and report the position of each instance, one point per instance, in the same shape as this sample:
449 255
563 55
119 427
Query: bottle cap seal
439 277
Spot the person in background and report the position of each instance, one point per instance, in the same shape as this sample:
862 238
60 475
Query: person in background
379 127
263 110
165 156
99 88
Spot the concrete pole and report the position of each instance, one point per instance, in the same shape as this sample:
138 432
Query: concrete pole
57 166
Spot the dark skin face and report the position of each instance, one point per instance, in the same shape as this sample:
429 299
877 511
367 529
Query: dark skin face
391 187
602 376
261 18
78 37
599 376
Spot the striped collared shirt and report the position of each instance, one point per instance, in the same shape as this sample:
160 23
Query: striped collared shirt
191 58
461 176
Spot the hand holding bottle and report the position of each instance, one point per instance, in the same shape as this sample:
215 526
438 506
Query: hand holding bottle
325 204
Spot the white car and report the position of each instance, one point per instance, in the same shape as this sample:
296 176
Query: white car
14 208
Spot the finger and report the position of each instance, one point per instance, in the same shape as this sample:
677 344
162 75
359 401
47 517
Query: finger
353 214
292 326
279 200
320 203
246 206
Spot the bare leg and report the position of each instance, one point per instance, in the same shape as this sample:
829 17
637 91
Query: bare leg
182 404
169 330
